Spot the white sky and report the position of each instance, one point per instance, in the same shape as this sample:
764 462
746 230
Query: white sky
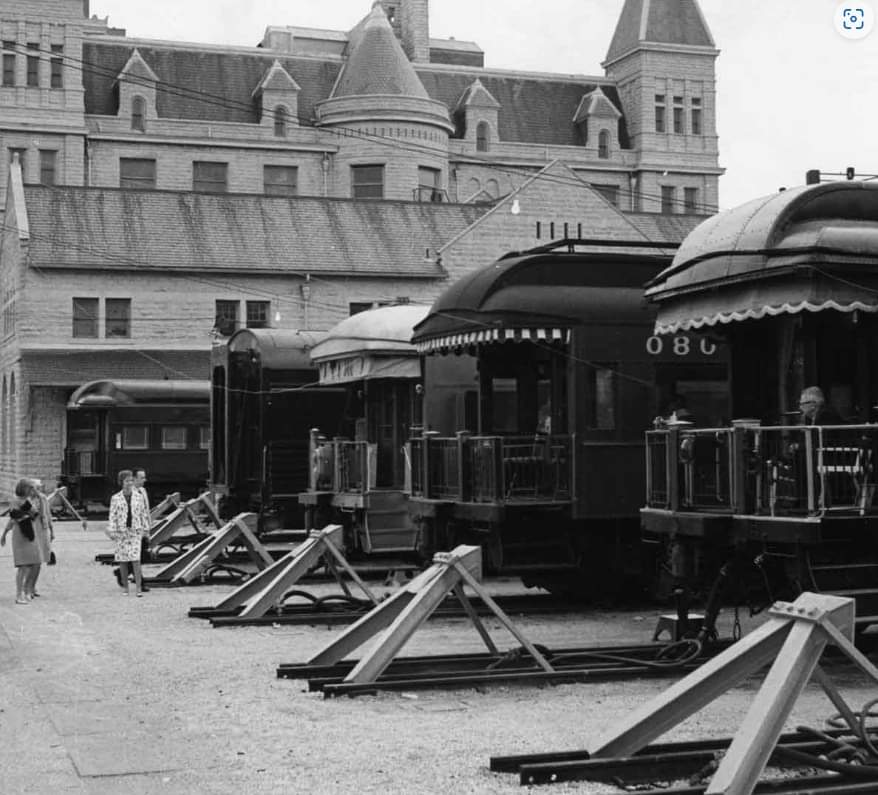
792 93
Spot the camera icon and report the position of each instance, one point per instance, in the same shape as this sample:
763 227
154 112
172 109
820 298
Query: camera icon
854 20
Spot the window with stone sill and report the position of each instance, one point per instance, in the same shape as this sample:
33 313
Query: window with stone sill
117 322
33 65
138 114
603 144
85 317
367 182
56 66
482 136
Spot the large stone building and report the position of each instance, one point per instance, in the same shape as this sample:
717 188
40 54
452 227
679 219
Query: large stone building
158 194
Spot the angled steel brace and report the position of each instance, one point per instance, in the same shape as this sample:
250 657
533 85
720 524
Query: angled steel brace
190 564
793 638
265 590
397 618
60 494
167 526
170 502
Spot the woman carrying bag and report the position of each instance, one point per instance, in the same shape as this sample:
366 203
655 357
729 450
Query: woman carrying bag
26 552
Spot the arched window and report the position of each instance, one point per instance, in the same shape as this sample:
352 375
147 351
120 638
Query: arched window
138 114
482 136
280 122
603 144
492 188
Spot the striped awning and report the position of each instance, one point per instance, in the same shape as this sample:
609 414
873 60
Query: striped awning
493 335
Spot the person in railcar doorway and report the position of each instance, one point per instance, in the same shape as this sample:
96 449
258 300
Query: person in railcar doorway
815 410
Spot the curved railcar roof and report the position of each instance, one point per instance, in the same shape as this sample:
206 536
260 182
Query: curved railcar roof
540 295
387 329
106 393
371 344
279 349
808 248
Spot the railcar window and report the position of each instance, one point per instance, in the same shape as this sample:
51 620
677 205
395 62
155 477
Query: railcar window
133 437
504 393
602 393
204 437
174 437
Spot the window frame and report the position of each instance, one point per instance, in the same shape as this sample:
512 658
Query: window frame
660 108
483 137
690 200
604 144
669 198
225 322
7 76
130 181
32 73
163 438
117 327
678 121
280 187
364 189
138 113
257 313
56 66
91 316
204 437
48 165
695 116
280 117
206 184
123 438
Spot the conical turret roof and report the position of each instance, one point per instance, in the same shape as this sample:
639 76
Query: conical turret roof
376 62
659 22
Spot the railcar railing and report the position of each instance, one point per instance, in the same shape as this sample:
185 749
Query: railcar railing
341 465
491 469
763 470
81 462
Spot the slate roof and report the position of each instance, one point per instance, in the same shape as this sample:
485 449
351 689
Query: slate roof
659 22
664 228
213 85
111 228
71 369
376 63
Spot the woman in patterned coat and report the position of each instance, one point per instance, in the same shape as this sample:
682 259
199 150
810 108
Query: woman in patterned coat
128 521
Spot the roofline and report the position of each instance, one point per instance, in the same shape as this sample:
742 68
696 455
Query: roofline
656 46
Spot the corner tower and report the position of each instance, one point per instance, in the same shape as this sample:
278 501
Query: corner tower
662 58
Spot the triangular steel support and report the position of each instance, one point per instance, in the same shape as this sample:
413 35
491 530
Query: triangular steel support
60 494
265 591
192 563
396 619
792 640
166 527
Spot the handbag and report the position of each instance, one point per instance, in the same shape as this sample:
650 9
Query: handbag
52 559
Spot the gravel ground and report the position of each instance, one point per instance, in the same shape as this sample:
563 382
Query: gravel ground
100 693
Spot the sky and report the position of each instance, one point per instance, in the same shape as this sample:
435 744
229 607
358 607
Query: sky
792 94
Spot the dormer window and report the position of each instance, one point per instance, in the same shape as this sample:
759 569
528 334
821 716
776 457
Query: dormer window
482 137
603 144
280 122
138 114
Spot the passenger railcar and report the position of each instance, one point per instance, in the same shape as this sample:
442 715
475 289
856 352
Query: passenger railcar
790 281
265 398
539 456
162 426
358 476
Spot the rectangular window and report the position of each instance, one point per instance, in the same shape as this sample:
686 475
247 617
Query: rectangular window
33 66
173 437
22 160
429 185
504 399
137 172
134 437
609 192
602 390
118 320
226 317
690 200
257 314
204 437
210 177
678 115
48 166
668 199
9 63
85 317
57 66
280 180
659 113
367 182
695 116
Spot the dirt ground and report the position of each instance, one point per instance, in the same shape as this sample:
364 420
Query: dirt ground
101 693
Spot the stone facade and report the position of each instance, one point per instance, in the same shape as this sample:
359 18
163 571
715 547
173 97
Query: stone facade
381 116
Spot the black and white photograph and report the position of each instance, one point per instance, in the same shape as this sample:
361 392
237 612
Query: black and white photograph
425 396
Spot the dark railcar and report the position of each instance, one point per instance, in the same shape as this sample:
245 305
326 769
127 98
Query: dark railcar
765 502
265 399
358 477
544 467
162 426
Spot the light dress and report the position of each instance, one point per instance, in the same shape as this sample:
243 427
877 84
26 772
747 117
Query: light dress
25 552
128 539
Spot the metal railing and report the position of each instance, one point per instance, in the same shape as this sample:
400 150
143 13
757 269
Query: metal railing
81 462
763 470
492 469
341 465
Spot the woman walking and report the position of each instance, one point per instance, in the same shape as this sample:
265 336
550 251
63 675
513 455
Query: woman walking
44 532
128 521
26 552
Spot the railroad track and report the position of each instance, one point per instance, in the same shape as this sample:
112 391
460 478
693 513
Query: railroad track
584 664
337 609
